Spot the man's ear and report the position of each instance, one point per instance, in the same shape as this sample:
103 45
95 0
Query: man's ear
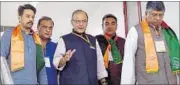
38 28
71 22
146 12
102 26
116 26
19 18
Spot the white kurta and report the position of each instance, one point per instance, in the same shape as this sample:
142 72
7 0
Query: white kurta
128 68
61 50
5 74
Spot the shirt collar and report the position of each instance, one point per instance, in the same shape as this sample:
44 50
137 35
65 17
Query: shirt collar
152 26
81 34
30 33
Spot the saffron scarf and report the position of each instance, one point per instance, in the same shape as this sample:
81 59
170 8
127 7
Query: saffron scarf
173 48
17 51
117 58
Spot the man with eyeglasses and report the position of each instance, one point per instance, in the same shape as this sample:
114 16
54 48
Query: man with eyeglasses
78 55
151 50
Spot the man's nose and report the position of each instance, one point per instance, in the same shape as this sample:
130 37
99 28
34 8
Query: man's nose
81 23
158 18
48 29
31 19
110 26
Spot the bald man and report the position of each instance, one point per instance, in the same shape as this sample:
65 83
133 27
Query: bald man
78 55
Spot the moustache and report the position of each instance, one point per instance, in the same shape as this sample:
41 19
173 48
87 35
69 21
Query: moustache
30 22
109 28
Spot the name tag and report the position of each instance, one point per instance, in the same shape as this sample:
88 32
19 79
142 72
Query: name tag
47 62
160 46
92 47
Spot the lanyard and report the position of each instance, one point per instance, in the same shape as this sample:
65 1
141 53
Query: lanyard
87 40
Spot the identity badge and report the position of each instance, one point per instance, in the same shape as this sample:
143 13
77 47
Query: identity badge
47 62
160 46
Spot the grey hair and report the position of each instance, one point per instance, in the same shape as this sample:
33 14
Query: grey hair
79 10
155 5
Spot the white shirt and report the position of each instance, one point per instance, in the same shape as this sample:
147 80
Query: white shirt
110 56
128 68
61 50
6 77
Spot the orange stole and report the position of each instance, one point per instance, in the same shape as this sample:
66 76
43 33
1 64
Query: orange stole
106 56
151 56
17 50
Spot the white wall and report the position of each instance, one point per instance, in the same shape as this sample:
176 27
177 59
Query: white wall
171 16
61 13
132 12
9 13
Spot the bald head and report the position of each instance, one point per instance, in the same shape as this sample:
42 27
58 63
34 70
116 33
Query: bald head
78 12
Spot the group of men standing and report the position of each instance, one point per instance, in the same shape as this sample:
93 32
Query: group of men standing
150 54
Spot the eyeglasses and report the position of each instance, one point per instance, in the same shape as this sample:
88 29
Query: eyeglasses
80 21
157 14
